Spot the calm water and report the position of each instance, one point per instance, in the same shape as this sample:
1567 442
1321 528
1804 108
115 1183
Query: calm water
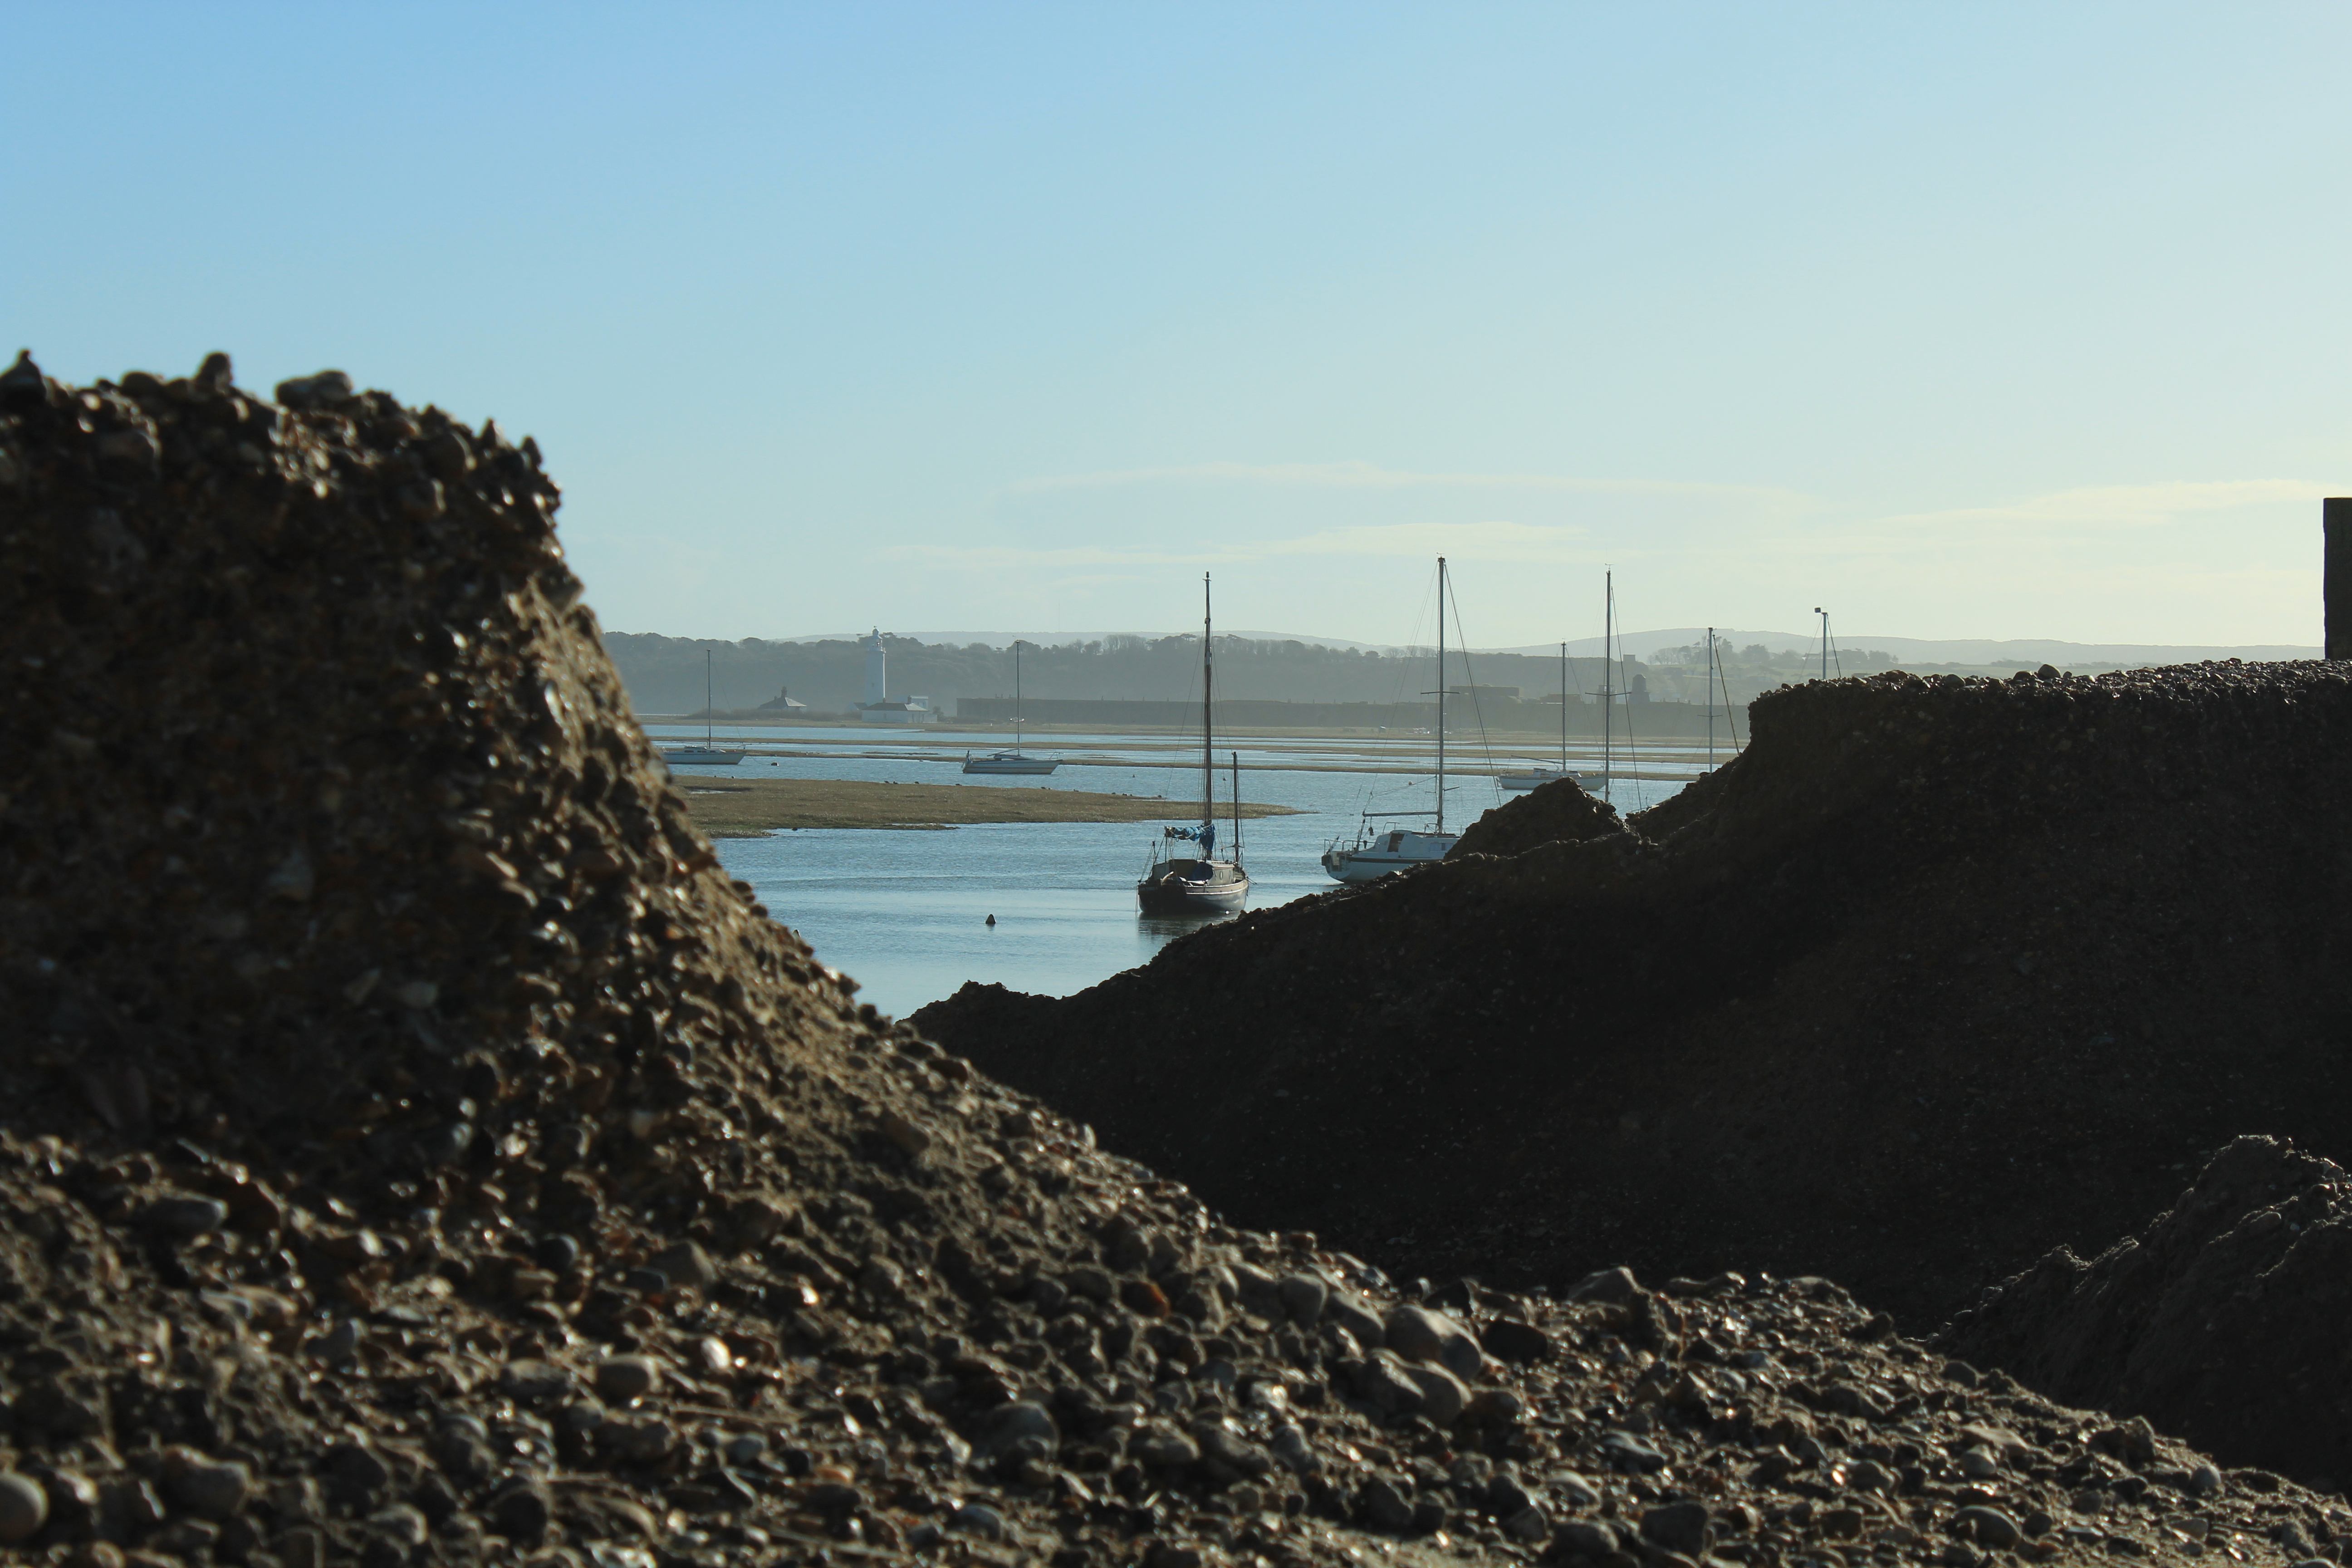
906 913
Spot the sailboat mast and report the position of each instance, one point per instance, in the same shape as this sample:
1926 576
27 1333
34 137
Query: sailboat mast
1710 698
1563 709
1441 694
1016 694
1208 757
1237 808
710 722
1608 674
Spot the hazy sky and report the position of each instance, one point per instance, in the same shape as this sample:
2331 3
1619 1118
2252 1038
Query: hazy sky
1965 321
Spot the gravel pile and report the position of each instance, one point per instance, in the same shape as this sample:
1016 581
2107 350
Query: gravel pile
413 1149
1938 975
2222 1321
1560 811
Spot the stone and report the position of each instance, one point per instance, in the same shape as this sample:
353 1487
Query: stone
2205 1481
1092 1283
1382 1378
1293 1451
1257 1291
1679 1527
182 1216
1574 1489
24 1502
1384 1508
1987 1527
557 1251
1443 1396
1020 1422
1587 1538
1163 1447
1420 1334
1508 1339
400 1523
1301 1297
978 1518
620 1379
1628 1452
743 1449
1978 1465
1504 1497
323 390
1610 1286
686 1264
198 1484
1361 1321
1222 1444
1527 1525
521 1510
532 1380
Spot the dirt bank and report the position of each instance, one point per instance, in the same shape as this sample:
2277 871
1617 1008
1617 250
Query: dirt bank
747 806
1935 977
413 1149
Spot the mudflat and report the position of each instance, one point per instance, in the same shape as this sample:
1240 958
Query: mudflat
747 808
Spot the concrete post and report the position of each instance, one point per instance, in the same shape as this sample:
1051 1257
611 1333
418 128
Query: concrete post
2335 579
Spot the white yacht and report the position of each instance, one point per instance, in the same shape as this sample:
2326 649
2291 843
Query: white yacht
709 754
1014 760
1378 853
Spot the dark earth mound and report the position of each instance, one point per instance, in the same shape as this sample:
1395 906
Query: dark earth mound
1936 976
1558 811
2223 1321
413 1149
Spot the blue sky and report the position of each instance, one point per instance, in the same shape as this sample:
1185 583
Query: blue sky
1966 321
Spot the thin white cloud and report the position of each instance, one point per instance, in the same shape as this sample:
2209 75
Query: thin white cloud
2125 506
1367 476
1498 540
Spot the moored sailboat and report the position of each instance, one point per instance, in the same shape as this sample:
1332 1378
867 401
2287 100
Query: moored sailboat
1014 760
1376 852
1199 884
708 753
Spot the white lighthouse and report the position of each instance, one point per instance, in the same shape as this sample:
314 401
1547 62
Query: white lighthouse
877 708
877 677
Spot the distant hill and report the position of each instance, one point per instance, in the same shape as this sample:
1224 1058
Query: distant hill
665 673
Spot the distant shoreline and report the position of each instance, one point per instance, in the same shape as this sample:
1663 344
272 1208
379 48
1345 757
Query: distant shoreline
727 807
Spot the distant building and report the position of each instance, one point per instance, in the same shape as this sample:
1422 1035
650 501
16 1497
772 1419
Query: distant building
877 708
782 699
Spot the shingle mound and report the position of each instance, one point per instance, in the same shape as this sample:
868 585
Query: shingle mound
1561 812
2222 1321
413 1149
1935 975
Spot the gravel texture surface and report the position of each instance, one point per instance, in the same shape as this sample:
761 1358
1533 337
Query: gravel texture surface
1938 975
413 1149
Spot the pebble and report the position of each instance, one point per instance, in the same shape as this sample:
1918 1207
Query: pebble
24 1505
1161 1445
1302 1296
1678 1527
1987 1527
532 1380
1443 1396
622 1378
1508 1339
1385 1508
978 1518
215 1489
522 1510
1420 1334
184 1216
686 1264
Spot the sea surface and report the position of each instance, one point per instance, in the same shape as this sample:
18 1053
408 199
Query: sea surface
905 912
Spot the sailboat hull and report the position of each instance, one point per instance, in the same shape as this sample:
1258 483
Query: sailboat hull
1385 853
1175 888
701 756
1537 777
1010 763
